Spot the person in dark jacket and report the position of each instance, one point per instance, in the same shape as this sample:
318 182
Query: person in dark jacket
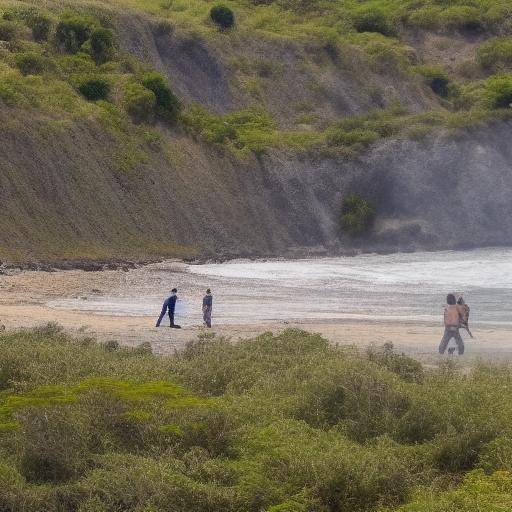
207 308
169 305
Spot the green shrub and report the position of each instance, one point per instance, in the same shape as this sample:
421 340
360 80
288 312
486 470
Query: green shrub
139 102
79 64
214 367
102 45
460 451
358 137
372 19
428 17
496 455
9 30
498 91
436 78
404 366
94 89
167 104
40 25
73 31
360 399
462 17
55 445
478 493
209 126
388 57
222 16
420 424
31 63
297 424
357 215
495 54
139 483
11 485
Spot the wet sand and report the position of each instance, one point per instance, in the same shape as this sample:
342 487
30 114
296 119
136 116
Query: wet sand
28 299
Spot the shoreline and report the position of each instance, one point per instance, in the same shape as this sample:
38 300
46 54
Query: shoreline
26 299
317 252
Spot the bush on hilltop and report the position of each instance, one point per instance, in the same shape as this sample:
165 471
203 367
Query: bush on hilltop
73 31
372 19
102 45
222 16
94 88
167 104
139 102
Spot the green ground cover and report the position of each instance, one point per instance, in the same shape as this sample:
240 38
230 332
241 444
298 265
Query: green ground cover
48 65
278 423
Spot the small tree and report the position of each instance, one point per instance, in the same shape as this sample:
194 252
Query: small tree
102 45
94 89
357 215
167 104
222 16
139 102
73 31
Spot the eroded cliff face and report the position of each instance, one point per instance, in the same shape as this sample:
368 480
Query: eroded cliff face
287 78
70 191
440 193
446 191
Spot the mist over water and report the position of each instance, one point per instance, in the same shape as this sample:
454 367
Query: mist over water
379 287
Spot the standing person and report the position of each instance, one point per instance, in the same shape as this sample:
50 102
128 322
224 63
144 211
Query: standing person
207 308
169 305
452 321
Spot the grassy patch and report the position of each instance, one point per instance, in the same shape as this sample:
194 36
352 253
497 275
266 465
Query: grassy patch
283 422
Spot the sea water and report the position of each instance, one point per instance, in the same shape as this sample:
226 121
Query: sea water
398 287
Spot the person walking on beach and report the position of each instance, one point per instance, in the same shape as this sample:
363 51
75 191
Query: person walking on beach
207 308
452 322
169 305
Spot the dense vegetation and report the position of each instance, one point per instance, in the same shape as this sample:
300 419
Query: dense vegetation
278 423
75 52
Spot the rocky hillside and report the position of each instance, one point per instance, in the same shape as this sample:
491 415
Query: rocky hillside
139 129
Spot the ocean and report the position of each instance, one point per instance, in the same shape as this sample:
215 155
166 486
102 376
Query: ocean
395 287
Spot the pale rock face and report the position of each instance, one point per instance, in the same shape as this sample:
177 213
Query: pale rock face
440 193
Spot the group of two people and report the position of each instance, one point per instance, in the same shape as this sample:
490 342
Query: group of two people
169 307
456 317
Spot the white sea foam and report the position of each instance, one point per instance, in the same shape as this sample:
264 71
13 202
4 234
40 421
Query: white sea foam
383 287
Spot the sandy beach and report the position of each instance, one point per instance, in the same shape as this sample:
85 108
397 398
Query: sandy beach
32 298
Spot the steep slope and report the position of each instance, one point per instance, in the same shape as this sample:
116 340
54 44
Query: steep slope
288 126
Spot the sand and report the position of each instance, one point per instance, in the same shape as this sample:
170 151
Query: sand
26 297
